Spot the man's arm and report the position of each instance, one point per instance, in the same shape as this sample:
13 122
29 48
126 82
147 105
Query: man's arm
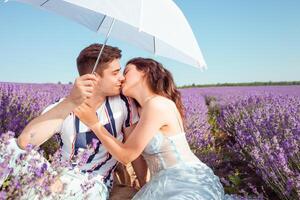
139 165
46 125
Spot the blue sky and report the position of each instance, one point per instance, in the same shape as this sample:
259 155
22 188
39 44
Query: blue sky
242 41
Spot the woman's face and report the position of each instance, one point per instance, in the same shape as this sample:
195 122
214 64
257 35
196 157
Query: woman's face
133 78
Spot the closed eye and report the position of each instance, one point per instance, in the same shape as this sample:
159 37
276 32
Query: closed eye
125 72
115 72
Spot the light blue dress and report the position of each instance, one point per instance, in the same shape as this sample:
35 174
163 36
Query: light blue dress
176 173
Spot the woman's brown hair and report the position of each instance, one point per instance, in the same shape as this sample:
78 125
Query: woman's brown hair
160 80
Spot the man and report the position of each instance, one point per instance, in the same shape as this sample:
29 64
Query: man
116 111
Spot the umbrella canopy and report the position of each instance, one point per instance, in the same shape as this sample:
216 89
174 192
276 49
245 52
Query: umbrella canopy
157 26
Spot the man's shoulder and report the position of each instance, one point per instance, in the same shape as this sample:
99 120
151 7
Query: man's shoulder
52 105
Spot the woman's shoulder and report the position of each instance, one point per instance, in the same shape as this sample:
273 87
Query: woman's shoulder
160 103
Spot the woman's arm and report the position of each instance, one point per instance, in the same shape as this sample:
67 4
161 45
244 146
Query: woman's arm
149 124
139 165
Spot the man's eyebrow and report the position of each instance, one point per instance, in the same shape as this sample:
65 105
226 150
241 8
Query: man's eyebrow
117 70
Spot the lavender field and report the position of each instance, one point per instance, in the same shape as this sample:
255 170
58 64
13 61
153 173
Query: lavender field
249 136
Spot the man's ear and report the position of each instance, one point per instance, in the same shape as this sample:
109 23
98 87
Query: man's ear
97 76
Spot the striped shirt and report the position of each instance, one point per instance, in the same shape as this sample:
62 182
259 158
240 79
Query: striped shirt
115 113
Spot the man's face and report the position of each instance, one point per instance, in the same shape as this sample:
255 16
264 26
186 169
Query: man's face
111 80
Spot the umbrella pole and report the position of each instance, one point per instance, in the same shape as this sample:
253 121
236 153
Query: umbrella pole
103 45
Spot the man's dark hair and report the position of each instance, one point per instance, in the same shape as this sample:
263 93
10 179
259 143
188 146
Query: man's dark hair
88 56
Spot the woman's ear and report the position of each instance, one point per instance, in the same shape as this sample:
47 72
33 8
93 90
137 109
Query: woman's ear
144 77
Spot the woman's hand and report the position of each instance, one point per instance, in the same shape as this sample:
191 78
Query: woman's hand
86 114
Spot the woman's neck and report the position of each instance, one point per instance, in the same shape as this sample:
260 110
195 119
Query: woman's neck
142 96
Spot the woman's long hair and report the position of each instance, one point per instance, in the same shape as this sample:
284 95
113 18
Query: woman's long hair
160 80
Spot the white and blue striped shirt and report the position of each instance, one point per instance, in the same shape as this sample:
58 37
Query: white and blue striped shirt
115 113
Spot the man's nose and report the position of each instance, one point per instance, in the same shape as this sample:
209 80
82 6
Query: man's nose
121 78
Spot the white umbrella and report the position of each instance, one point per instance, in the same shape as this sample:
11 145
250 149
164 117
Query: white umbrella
157 26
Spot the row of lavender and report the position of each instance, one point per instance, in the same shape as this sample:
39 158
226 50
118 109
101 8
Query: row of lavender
19 103
262 123
22 102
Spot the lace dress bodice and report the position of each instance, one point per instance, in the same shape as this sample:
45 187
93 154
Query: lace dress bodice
163 152
176 173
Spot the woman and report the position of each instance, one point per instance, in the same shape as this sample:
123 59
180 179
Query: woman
176 173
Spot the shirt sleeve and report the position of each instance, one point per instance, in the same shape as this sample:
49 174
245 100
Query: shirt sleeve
130 110
49 107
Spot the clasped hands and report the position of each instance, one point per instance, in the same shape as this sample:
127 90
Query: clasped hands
83 96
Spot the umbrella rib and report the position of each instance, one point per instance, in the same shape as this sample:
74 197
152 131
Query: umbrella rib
101 23
44 3
141 16
103 45
154 45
